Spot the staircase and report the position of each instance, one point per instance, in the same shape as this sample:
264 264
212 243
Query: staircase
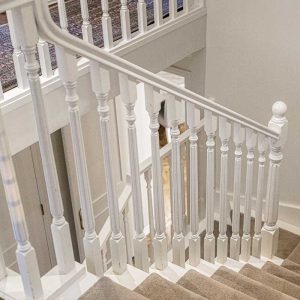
242 265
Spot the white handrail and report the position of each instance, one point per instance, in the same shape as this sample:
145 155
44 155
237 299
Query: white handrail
51 32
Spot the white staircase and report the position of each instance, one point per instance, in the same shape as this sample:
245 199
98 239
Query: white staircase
33 23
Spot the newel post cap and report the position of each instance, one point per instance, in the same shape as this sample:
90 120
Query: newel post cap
279 122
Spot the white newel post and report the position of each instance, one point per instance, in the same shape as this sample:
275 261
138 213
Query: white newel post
101 87
158 12
128 94
178 243
125 22
251 138
59 227
106 26
160 240
25 253
142 16
256 241
87 33
210 126
270 231
148 179
172 9
18 55
45 60
224 134
235 241
67 65
194 241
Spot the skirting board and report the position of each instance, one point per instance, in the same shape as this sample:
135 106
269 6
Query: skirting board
288 214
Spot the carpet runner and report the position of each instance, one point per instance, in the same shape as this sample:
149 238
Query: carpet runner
269 283
7 72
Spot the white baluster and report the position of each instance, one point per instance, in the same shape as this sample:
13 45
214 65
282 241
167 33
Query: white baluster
251 138
235 241
104 257
256 241
183 162
172 9
26 256
194 241
127 235
128 94
210 126
178 243
224 134
148 179
270 231
125 22
106 26
18 55
63 20
142 16
160 240
60 228
44 57
3 272
158 12
68 74
101 88
87 32
187 6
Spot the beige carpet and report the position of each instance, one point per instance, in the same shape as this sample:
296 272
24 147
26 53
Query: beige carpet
247 285
106 289
272 281
290 265
155 287
209 288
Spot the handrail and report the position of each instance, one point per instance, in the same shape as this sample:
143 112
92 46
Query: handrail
49 31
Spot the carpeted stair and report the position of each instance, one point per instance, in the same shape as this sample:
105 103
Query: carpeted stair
271 282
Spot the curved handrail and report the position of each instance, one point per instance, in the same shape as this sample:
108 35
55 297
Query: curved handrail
49 31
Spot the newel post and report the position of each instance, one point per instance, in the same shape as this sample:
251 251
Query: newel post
270 231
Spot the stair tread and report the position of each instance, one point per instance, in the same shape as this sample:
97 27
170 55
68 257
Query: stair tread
272 281
247 285
105 288
295 255
209 288
156 287
292 266
281 272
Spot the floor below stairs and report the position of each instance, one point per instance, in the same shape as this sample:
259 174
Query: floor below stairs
256 279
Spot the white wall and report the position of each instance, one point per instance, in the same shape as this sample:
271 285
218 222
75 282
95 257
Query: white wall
253 59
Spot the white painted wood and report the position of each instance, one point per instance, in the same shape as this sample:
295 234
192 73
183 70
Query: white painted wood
194 241
127 235
178 243
148 179
224 134
172 9
44 57
235 242
101 88
270 231
142 16
158 13
128 94
160 240
63 20
125 22
25 24
68 73
210 126
26 256
256 240
18 56
87 33
106 26
251 139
